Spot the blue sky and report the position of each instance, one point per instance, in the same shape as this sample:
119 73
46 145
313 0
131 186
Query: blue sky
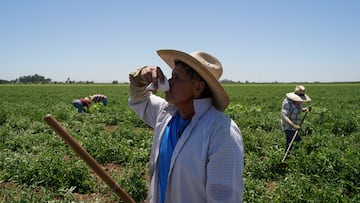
256 40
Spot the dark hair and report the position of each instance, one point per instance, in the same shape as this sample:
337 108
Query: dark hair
195 76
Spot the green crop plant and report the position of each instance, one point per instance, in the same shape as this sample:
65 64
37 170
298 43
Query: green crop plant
37 166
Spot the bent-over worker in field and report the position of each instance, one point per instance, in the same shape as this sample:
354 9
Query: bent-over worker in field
197 153
290 113
84 104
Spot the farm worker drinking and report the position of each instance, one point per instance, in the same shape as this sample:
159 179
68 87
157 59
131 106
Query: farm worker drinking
85 103
197 152
290 113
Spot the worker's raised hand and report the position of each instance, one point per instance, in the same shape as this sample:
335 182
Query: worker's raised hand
154 75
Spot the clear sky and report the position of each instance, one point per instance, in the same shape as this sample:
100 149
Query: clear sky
256 40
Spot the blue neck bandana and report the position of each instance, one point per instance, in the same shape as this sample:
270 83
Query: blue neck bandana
169 140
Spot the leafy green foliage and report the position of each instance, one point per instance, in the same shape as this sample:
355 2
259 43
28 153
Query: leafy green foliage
37 166
325 165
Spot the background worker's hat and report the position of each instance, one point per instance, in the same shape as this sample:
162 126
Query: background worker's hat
298 94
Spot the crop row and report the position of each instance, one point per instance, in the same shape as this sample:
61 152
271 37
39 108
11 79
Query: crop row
36 166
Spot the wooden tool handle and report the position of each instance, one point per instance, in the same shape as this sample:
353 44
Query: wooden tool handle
89 160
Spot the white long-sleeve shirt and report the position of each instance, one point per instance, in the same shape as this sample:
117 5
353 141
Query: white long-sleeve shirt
208 160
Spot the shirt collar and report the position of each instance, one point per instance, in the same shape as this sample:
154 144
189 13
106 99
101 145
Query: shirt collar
201 106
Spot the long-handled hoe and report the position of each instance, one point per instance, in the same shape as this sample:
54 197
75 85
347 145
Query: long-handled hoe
87 158
283 164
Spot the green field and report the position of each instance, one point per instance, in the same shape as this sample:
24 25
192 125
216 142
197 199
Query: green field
37 166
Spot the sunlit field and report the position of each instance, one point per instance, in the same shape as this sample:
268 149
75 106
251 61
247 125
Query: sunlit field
37 166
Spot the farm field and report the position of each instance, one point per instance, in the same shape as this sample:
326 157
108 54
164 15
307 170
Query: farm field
37 166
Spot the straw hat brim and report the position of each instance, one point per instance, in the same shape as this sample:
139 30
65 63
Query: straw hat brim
295 97
220 97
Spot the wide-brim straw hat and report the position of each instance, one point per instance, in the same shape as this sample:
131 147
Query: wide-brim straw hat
207 66
298 94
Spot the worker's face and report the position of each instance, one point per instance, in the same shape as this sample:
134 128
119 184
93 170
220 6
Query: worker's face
182 88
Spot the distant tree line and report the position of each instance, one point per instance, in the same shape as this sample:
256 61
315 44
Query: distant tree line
226 81
38 79
34 79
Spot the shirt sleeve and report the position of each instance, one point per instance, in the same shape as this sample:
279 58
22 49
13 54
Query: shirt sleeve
138 92
285 109
225 165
